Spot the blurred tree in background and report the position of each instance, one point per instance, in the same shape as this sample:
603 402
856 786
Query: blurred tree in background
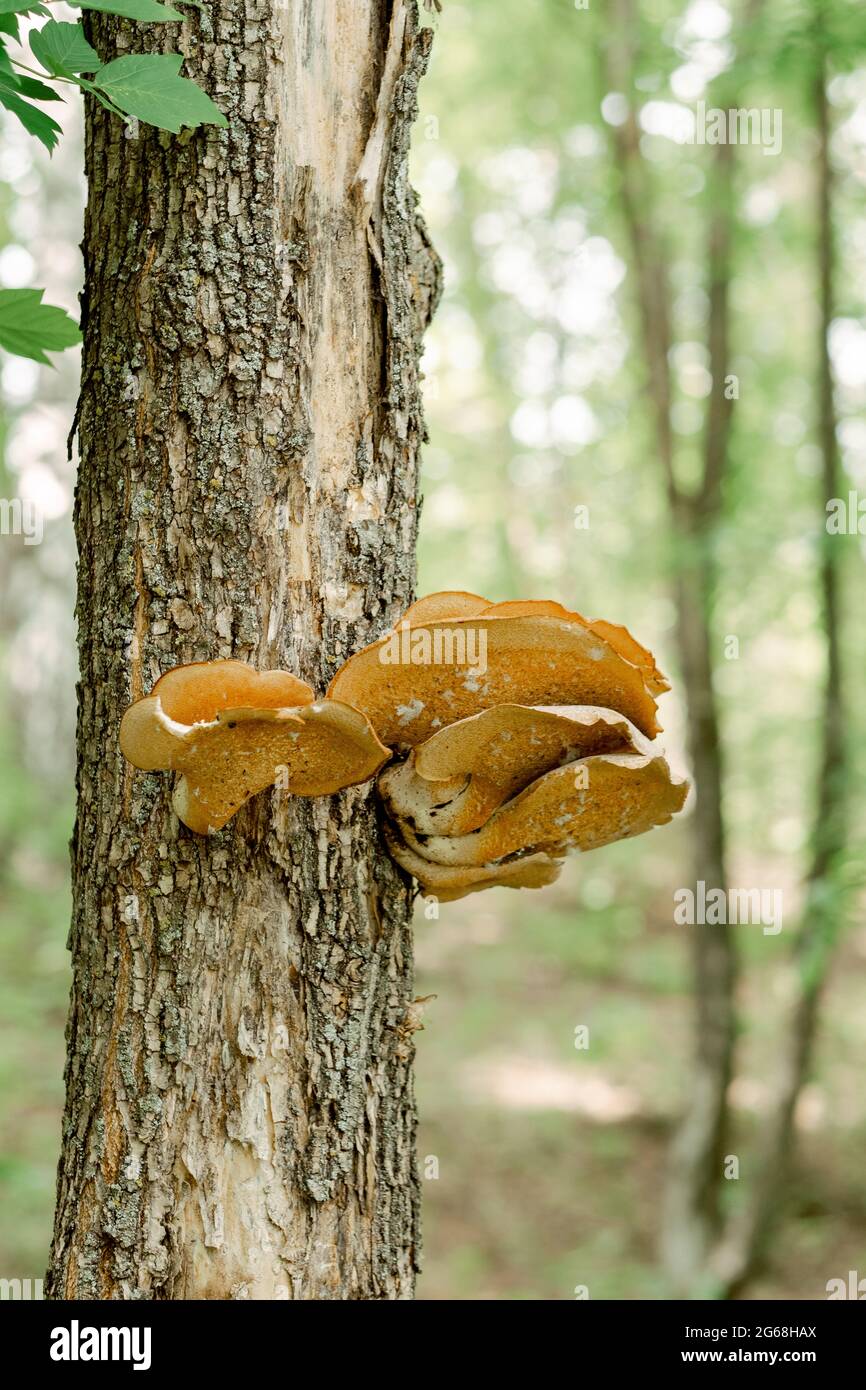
559 396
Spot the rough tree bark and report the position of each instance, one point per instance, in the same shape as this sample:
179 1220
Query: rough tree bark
240 1116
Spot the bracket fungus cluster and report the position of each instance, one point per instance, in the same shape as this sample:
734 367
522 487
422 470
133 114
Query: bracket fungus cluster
509 733
532 739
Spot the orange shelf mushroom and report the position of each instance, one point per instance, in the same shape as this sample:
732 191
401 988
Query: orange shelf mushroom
451 783
525 731
439 666
448 882
583 805
231 731
513 732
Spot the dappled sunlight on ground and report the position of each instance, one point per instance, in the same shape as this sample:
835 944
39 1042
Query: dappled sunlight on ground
530 1083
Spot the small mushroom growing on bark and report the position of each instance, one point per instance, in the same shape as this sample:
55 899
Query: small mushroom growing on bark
532 739
231 731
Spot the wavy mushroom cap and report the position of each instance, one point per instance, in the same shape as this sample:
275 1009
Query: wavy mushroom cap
523 746
195 694
449 882
451 603
584 805
434 672
457 603
456 779
226 729
614 634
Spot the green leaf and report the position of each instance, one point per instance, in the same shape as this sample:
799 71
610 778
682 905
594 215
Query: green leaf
9 25
147 85
62 49
21 7
100 97
25 86
45 128
129 9
30 328
37 91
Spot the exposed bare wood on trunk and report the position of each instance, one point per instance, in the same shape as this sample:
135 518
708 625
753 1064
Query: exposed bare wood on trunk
240 1116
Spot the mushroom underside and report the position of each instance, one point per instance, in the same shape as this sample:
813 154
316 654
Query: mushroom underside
453 782
583 804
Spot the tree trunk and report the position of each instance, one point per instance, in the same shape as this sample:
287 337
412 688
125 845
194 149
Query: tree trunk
695 1175
691 1206
749 1232
696 1159
240 1117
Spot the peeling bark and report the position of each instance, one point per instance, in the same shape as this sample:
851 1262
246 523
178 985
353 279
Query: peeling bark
240 1116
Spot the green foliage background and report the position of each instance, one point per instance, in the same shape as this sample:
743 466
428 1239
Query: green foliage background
543 1164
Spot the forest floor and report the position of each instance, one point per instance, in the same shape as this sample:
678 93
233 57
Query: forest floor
551 1160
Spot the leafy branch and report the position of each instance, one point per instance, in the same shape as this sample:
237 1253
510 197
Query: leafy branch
144 87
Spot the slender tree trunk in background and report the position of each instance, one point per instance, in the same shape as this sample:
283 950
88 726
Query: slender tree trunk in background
240 1116
691 1214
697 1153
740 1252
701 1253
